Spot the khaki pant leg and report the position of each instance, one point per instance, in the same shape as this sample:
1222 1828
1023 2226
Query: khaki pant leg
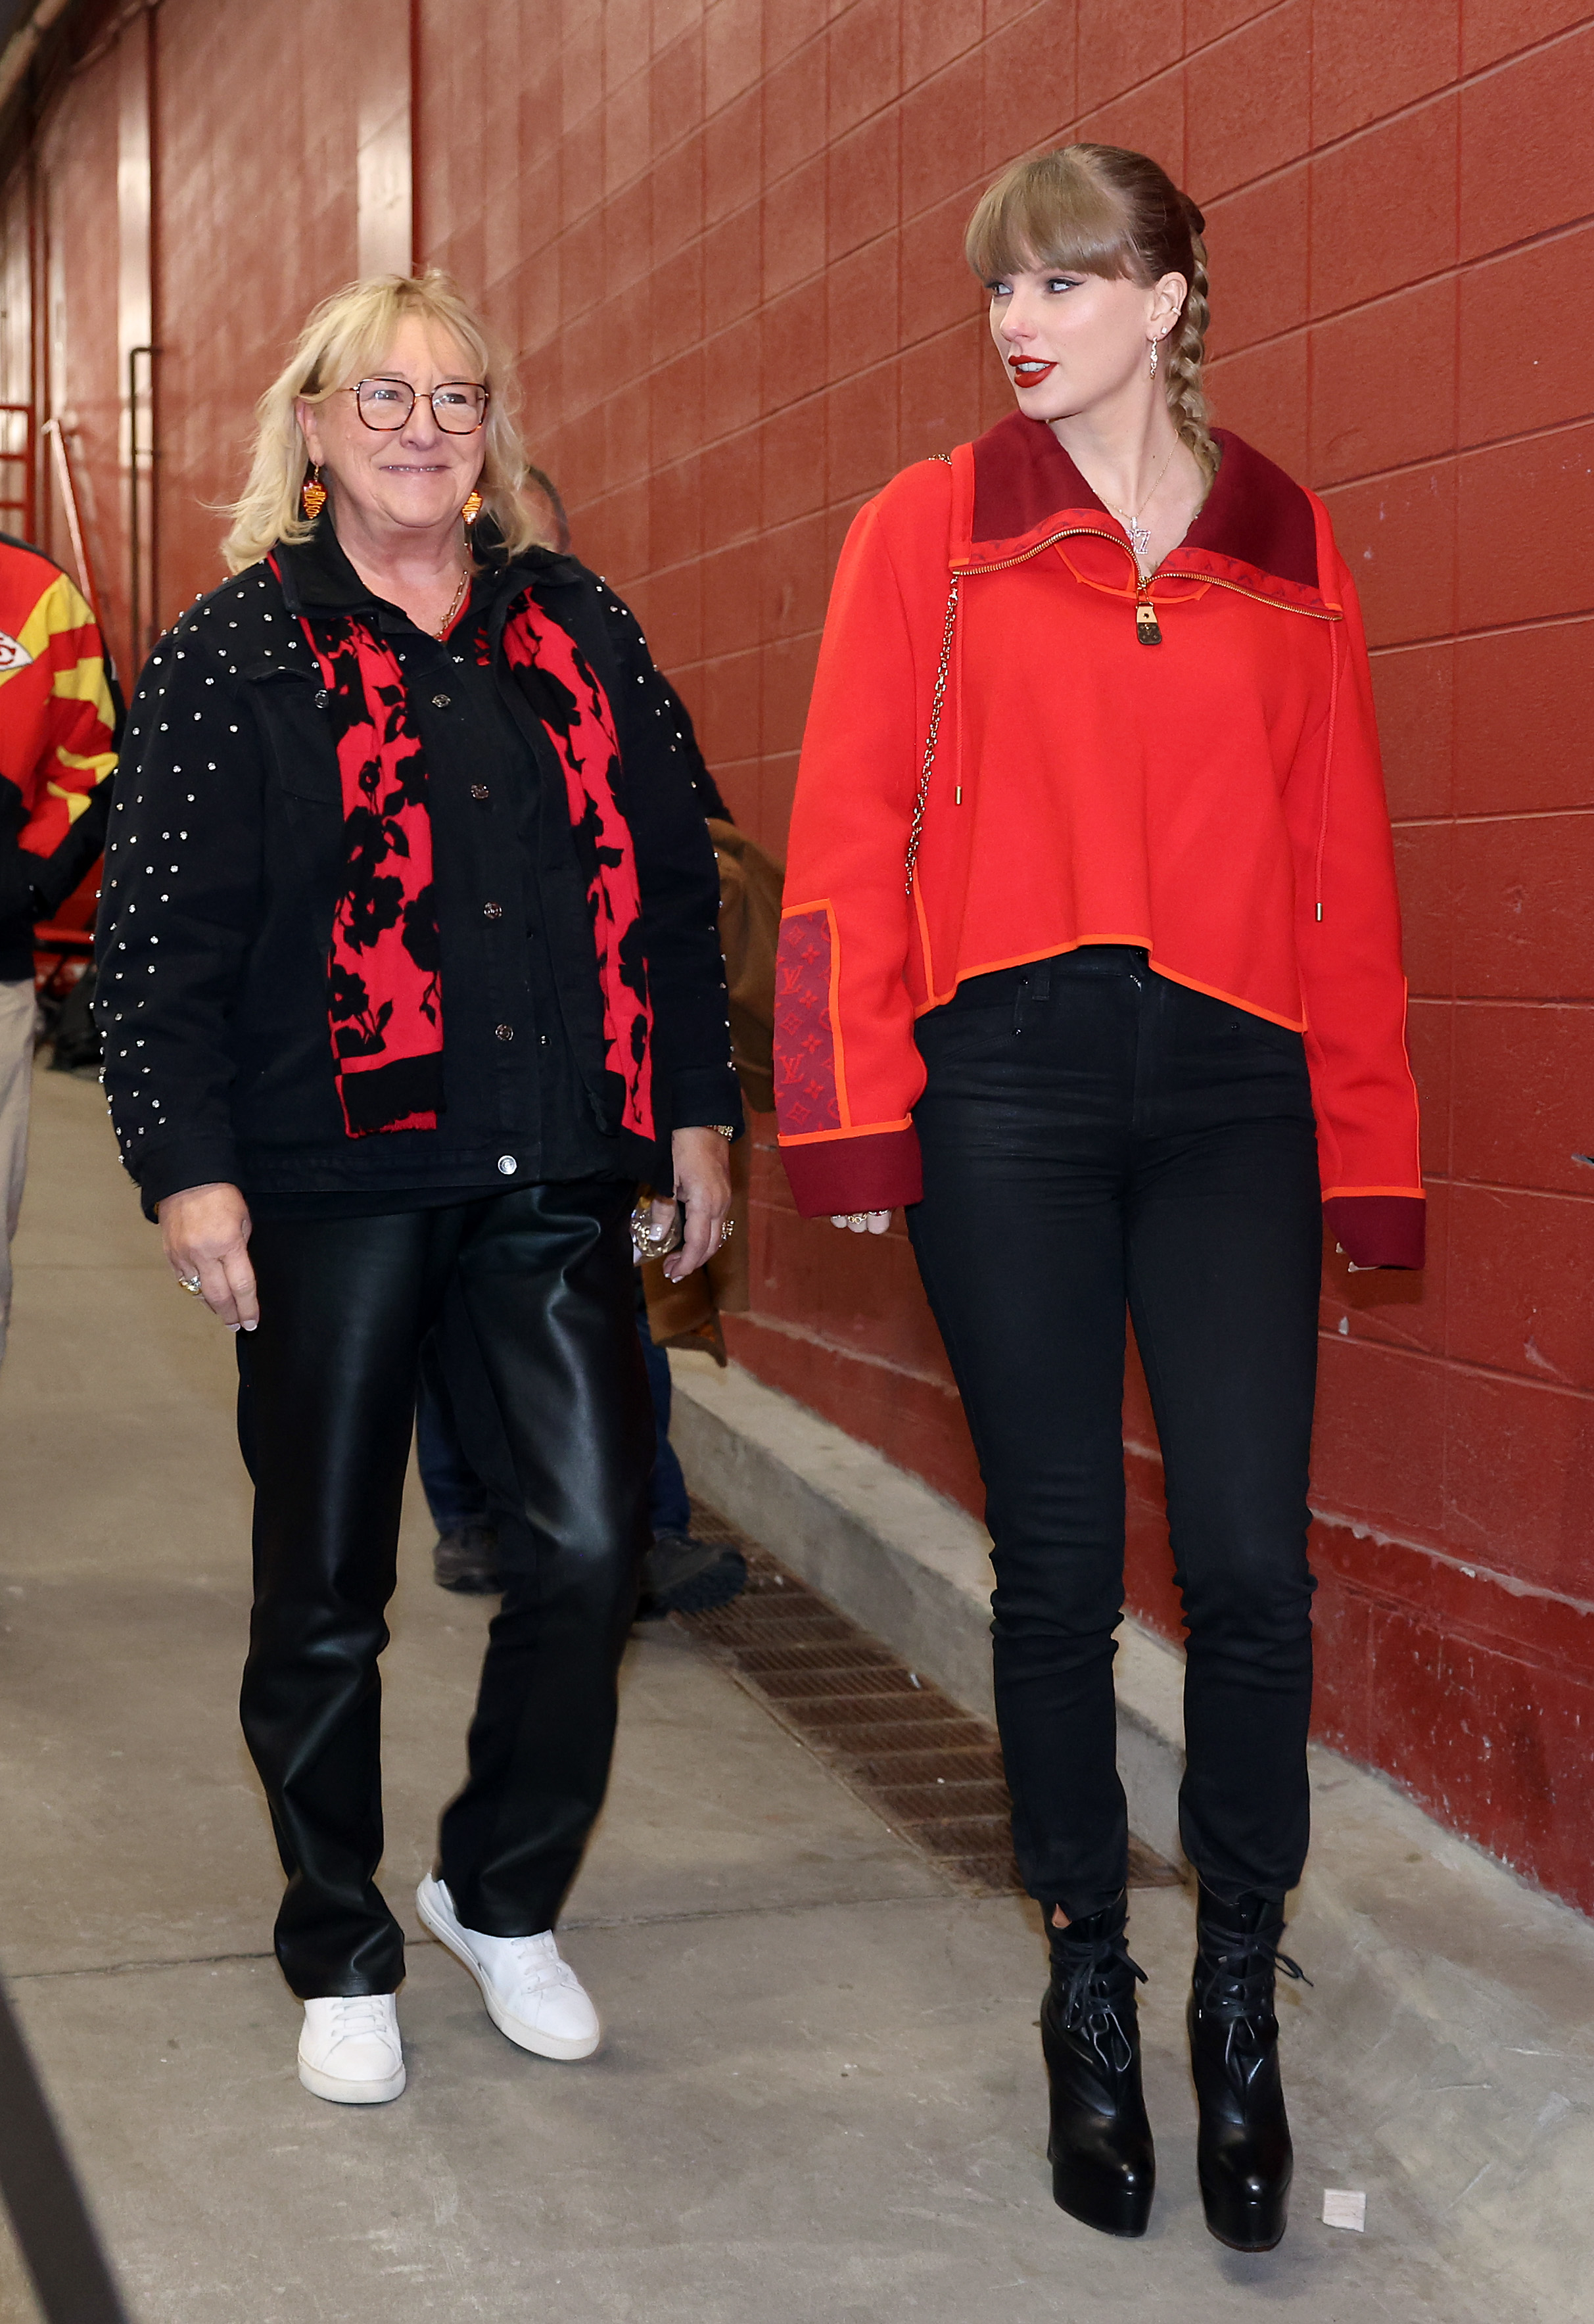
16 1086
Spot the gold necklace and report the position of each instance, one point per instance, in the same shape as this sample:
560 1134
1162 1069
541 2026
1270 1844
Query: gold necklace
465 581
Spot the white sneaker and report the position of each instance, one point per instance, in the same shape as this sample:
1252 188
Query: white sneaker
350 2051
532 1996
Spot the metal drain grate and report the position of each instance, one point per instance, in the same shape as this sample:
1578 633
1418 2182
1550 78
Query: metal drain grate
908 1751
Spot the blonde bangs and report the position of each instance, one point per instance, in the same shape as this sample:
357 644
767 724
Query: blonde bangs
343 339
1051 211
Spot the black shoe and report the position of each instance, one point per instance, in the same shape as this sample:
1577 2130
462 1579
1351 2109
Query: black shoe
1244 2158
466 1560
683 1575
1103 2165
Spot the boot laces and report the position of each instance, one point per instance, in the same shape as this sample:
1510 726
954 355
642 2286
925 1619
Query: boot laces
1091 1996
1241 1965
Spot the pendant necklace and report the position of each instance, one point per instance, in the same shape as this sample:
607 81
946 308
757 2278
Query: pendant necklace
458 600
1139 538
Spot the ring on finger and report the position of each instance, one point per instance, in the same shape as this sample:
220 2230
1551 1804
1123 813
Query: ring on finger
192 1283
727 1229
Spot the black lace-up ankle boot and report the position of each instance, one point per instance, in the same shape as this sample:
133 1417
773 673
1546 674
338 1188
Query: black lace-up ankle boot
1103 2168
1244 2157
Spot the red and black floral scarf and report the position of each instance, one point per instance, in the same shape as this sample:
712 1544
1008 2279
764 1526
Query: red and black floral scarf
383 981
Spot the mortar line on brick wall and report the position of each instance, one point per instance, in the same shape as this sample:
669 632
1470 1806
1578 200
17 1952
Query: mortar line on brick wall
1516 1000
1499 1186
1490 630
1503 814
1471 1569
1507 1001
1471 1365
1176 65
800 1331
1471 451
1442 459
1544 239
1455 578
1477 1628
1458 87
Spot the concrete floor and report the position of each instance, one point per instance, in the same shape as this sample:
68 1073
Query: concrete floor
821 2094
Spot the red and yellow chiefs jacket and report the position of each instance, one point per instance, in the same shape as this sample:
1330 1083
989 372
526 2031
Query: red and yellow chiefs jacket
58 728
1190 765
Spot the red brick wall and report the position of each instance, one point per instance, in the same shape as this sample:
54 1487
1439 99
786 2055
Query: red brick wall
725 239
76 304
254 135
737 288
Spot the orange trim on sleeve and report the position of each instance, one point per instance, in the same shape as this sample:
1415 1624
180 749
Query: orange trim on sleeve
828 1137
1408 1193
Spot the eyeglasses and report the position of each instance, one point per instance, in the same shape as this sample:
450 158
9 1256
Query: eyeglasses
459 406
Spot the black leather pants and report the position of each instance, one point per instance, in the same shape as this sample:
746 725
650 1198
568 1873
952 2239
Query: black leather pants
533 1292
1096 1137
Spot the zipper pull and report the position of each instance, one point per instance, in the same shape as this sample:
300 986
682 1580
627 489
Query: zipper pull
1145 628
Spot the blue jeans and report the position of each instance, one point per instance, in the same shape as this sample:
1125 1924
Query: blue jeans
456 1496
670 1509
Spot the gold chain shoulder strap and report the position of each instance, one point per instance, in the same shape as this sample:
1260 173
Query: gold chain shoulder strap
915 829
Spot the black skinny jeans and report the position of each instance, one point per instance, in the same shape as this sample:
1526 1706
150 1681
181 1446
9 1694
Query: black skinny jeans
1096 1137
533 1293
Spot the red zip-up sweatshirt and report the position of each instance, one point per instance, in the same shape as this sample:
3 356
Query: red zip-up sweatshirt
1189 765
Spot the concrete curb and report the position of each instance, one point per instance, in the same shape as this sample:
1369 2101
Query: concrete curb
1461 2000
912 1567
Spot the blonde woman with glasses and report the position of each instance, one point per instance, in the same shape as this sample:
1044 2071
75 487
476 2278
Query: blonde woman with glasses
408 975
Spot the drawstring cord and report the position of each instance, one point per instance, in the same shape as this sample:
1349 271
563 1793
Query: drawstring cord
1328 763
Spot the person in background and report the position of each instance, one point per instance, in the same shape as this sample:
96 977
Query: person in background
59 722
680 1573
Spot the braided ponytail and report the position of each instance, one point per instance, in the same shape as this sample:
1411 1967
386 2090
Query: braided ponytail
1101 209
1185 348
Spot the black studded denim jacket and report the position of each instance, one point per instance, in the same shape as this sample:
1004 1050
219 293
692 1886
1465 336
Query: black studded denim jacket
224 865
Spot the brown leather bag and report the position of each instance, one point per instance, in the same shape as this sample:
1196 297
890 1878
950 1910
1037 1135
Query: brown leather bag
749 931
688 1314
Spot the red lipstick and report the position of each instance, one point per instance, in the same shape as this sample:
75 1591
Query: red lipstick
1029 371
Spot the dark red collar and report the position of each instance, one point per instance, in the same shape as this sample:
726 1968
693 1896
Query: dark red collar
1254 515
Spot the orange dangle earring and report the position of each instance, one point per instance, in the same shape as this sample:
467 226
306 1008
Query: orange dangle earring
313 496
472 507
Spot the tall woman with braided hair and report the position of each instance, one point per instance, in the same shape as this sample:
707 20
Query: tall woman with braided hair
1092 960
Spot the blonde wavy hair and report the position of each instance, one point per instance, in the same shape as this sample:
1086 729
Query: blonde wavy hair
344 338
1101 209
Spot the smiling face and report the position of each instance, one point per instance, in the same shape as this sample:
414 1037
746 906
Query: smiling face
1074 343
408 482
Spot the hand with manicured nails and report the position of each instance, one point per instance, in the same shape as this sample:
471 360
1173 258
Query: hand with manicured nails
861 1222
205 1231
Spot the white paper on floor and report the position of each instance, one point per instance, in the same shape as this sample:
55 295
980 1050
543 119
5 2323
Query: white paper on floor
1344 2207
